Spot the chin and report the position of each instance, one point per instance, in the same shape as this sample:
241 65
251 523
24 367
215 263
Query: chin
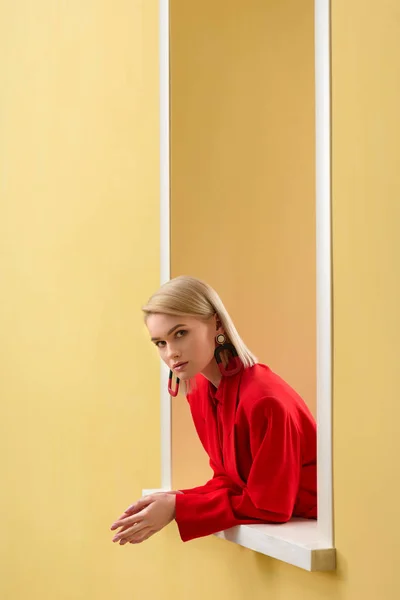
185 376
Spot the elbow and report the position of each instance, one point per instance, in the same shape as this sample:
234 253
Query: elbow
279 511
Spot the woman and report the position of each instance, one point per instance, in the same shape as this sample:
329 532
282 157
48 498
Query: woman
259 434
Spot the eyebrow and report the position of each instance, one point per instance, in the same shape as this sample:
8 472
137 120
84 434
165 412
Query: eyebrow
169 332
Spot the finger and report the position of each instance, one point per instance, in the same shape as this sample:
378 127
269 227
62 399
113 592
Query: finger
137 537
134 509
128 521
128 525
123 516
120 521
126 534
138 522
143 538
141 503
129 512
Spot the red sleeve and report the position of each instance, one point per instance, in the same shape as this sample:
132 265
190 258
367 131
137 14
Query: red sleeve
272 485
218 481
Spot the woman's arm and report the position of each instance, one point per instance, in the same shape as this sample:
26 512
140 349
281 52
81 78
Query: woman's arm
217 482
272 485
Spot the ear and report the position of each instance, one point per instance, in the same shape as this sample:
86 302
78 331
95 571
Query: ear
218 324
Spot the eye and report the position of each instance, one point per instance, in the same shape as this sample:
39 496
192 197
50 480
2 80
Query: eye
181 333
178 335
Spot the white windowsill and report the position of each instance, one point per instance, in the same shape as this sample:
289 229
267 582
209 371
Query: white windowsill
297 543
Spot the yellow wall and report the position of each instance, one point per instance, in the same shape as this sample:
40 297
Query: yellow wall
366 243
79 252
243 173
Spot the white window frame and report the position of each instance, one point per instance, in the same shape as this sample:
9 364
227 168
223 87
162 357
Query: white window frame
306 544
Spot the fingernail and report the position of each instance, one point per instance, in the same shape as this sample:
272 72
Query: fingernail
115 539
113 526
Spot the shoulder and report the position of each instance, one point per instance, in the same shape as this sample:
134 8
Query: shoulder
259 381
263 391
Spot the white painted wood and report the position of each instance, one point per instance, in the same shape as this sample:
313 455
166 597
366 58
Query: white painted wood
297 543
155 491
165 408
324 268
305 544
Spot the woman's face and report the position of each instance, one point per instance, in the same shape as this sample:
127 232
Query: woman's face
185 344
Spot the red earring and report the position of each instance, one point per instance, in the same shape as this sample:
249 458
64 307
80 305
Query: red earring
235 364
170 390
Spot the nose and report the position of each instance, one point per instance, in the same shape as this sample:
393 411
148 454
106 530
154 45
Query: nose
172 352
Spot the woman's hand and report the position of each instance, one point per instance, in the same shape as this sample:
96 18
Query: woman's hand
144 518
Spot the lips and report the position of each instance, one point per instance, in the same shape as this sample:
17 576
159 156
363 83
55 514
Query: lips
180 364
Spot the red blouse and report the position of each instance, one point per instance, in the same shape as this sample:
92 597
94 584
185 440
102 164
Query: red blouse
261 440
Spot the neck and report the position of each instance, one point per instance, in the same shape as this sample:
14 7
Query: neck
212 373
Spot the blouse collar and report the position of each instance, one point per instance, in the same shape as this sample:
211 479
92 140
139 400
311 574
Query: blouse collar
227 386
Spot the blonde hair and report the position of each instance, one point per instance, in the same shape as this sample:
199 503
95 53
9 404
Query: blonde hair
188 296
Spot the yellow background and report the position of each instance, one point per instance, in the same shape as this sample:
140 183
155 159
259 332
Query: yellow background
242 184
79 253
